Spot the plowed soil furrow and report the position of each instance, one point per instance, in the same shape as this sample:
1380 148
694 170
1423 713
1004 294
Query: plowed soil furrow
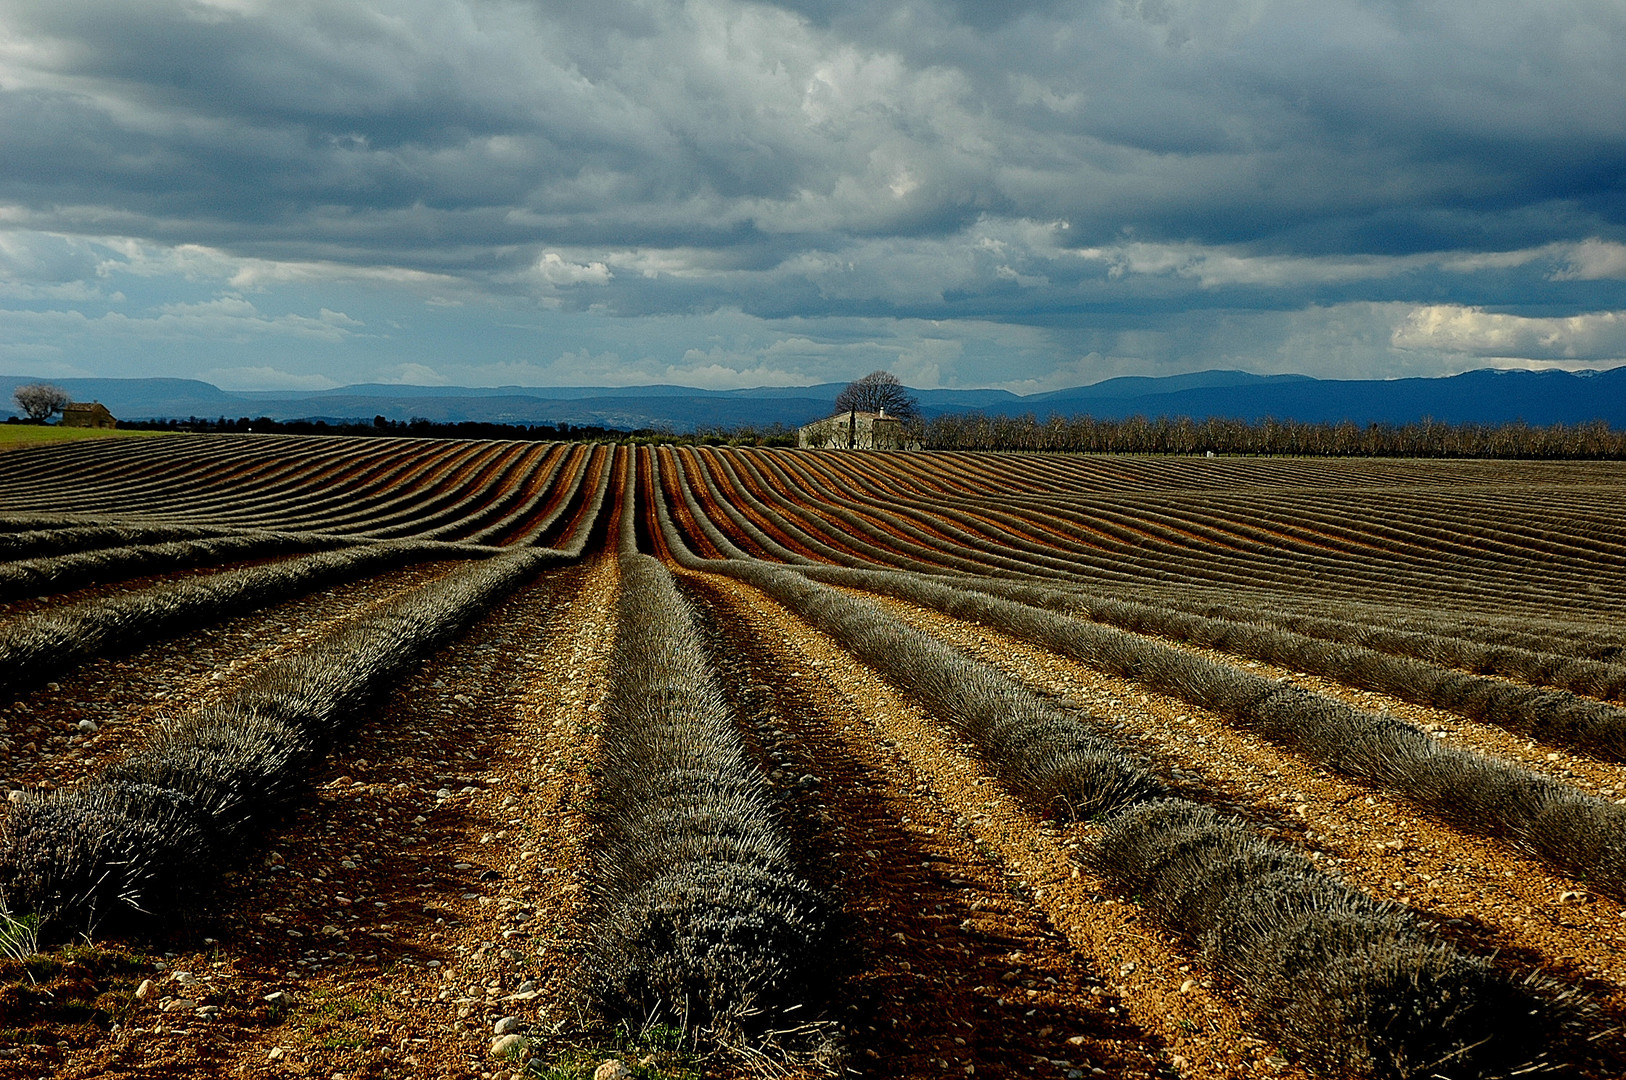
968 918
1491 899
128 697
428 886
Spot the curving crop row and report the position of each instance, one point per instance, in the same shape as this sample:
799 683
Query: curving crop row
137 840
1555 716
702 918
1470 556
36 473
1049 542
1359 986
732 495
12 522
1535 650
687 469
997 530
260 480
357 504
1476 521
458 494
587 514
787 514
38 647
1036 748
526 496
531 523
851 535
1000 473
1579 834
1200 542
180 473
1356 986
1553 663
66 539
60 573
470 507
1220 549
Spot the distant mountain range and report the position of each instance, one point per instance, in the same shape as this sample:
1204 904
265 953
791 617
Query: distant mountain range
1491 397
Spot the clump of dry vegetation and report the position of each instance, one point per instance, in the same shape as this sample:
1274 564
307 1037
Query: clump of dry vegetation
703 918
132 843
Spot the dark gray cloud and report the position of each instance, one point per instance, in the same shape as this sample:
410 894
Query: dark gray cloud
1052 163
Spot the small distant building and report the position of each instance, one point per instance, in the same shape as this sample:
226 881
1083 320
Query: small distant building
856 430
87 414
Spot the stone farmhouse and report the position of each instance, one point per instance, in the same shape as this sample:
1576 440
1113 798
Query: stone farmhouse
87 415
856 430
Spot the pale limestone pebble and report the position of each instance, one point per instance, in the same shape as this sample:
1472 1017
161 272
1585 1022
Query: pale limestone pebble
505 1044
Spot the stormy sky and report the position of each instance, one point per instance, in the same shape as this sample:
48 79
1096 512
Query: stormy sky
1028 194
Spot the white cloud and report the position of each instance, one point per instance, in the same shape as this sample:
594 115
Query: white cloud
1474 331
1593 260
232 317
1213 267
719 369
265 377
553 269
584 368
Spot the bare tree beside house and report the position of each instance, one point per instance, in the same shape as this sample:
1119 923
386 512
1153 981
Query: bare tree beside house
39 401
879 392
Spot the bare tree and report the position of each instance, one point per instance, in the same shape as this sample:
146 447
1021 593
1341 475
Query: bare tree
39 400
879 391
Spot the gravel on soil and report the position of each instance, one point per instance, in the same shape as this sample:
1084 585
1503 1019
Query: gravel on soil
969 913
1488 898
427 889
127 697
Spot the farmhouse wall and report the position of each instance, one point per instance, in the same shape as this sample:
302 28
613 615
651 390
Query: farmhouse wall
92 414
856 431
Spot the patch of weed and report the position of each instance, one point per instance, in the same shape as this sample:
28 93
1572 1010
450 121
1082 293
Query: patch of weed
658 1052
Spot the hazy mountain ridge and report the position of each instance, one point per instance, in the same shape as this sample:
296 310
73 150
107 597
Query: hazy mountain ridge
1485 396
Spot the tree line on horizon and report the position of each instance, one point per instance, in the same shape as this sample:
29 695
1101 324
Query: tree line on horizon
1219 435
1083 434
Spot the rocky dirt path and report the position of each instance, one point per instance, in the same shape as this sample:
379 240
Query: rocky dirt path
1486 896
44 740
974 944
427 890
